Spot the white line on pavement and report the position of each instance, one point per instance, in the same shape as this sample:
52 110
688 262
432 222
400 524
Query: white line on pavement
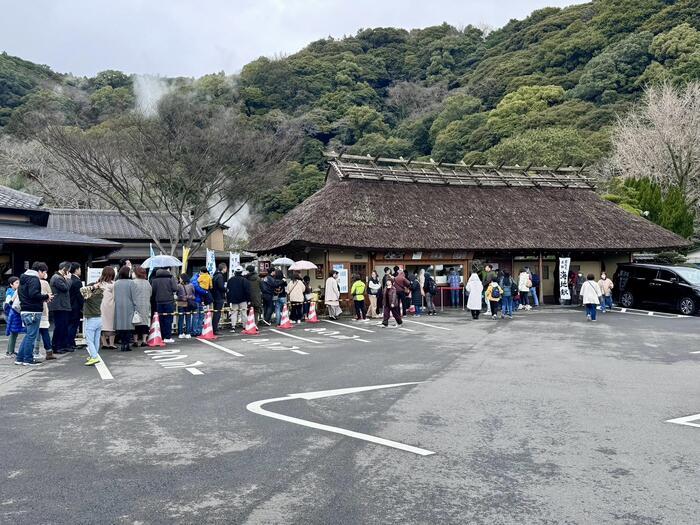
686 420
194 371
348 326
650 313
426 324
698 352
219 347
300 352
362 340
103 370
406 329
256 408
294 336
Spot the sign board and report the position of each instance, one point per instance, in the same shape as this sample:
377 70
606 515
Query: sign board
211 261
234 259
417 256
342 277
93 274
564 293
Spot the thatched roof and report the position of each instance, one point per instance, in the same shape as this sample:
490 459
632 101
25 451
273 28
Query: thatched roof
559 212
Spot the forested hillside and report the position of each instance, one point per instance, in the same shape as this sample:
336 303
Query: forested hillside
544 90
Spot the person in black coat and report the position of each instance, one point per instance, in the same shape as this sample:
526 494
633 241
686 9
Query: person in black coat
238 296
218 294
76 302
267 290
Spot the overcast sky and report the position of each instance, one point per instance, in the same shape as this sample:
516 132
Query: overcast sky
195 37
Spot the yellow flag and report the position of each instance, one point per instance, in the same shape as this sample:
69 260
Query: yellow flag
185 256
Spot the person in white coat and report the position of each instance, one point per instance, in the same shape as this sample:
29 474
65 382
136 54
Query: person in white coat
474 288
591 294
524 285
332 296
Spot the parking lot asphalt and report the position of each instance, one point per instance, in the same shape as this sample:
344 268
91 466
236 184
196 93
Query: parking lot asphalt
546 418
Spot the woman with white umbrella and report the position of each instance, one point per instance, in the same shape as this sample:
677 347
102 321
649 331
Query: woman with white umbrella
332 296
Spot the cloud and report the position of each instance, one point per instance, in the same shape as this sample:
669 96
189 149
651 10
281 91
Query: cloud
195 37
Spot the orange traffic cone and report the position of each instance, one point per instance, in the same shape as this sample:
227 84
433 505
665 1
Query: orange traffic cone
286 323
250 326
154 337
313 317
208 329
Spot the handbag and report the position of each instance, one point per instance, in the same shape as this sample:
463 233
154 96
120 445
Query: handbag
136 318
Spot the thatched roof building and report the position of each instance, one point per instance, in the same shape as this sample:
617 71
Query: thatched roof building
387 204
377 212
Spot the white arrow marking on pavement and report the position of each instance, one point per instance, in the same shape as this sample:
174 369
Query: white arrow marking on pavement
348 326
686 420
194 371
426 324
299 352
294 336
219 347
256 408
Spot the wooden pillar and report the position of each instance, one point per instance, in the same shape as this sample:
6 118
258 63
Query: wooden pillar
541 270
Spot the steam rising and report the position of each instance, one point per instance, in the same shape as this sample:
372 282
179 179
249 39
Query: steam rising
148 90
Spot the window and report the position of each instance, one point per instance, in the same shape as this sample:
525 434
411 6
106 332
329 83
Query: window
643 273
666 275
545 272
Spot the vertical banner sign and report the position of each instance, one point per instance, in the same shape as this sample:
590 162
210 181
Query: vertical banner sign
185 258
342 277
564 264
211 261
234 259
93 274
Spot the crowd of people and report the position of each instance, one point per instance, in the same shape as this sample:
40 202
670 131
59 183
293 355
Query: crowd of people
118 307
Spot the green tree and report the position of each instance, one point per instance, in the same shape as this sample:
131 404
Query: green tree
359 121
513 111
548 147
676 215
110 78
108 102
454 108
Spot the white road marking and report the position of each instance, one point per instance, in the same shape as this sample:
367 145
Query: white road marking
295 336
686 420
426 324
300 352
650 313
406 329
219 347
103 370
362 340
256 408
698 352
194 371
348 326
651 345
623 310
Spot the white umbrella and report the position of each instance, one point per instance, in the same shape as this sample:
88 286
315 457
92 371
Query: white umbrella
303 265
161 261
283 261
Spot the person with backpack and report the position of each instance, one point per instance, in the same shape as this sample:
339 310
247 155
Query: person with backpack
524 285
509 290
591 294
430 289
493 295
185 305
357 291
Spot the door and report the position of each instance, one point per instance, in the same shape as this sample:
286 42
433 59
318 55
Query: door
641 285
664 288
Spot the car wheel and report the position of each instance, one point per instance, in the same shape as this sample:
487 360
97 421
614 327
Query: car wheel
627 300
686 306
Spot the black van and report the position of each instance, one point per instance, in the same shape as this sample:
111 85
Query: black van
675 287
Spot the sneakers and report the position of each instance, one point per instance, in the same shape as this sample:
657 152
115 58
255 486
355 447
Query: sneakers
265 322
520 307
30 363
528 307
182 336
92 361
188 336
168 340
494 317
19 363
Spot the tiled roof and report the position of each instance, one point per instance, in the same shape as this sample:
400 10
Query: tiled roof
10 198
107 224
25 233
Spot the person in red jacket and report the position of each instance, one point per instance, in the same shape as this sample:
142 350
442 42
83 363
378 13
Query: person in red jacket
391 304
403 288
